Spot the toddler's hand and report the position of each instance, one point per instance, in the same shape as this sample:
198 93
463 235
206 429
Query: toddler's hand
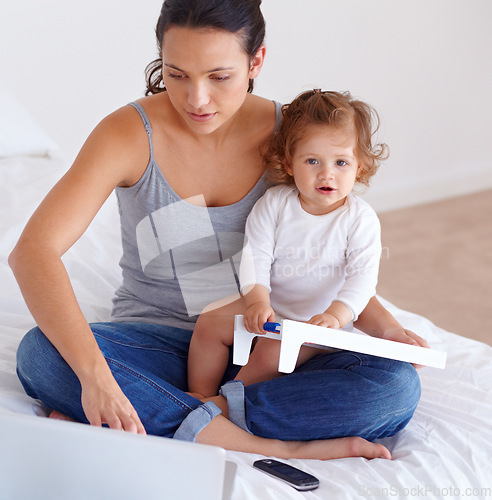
256 316
325 319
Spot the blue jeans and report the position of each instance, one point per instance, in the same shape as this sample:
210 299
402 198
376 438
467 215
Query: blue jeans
331 395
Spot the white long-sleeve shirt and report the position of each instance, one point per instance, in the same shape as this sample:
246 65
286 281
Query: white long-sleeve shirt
308 261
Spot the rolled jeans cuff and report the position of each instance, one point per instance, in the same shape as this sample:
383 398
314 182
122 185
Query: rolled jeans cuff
196 420
233 391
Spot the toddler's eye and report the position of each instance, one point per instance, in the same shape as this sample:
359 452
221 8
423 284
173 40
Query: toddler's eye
312 161
341 163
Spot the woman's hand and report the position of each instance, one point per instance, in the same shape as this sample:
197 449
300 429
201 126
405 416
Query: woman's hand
399 334
104 403
377 321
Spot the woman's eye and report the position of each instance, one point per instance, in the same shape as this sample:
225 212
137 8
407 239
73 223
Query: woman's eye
177 76
221 78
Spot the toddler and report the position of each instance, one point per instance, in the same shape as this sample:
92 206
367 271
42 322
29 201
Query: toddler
313 247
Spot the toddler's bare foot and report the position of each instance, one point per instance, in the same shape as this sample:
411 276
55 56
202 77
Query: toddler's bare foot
56 415
340 448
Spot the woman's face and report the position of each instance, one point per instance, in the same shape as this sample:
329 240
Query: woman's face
206 74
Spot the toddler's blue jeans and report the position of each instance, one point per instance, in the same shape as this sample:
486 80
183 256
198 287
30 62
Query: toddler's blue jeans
332 395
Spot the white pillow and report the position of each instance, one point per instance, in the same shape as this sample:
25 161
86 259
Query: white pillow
20 135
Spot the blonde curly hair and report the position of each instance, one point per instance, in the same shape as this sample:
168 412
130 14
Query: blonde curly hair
336 109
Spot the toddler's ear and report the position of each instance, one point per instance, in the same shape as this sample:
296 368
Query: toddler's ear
360 173
288 168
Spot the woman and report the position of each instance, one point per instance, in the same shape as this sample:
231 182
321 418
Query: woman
186 167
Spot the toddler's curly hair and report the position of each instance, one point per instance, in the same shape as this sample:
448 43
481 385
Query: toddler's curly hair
336 109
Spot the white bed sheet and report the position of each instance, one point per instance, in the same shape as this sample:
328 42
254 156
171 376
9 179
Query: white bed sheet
445 451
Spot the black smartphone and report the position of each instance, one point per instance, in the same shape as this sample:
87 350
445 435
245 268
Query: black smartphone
296 478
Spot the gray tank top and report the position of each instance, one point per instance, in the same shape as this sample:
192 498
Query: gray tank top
178 256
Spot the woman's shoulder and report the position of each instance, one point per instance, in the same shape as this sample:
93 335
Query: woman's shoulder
262 101
258 120
264 109
120 143
122 124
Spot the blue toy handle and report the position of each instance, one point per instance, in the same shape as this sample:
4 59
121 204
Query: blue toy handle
270 326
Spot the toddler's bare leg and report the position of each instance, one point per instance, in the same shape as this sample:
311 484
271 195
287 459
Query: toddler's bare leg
209 349
307 352
263 362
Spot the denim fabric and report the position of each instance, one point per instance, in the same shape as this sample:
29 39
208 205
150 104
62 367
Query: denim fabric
196 421
335 395
149 362
331 395
233 391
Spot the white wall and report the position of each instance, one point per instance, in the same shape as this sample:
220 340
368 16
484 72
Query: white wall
424 64
72 63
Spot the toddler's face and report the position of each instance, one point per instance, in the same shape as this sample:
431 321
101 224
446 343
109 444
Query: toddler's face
324 168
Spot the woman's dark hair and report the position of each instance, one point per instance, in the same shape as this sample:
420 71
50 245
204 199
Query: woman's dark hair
243 17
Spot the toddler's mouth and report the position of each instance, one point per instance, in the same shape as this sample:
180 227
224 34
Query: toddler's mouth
326 189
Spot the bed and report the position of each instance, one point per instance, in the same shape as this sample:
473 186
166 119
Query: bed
445 451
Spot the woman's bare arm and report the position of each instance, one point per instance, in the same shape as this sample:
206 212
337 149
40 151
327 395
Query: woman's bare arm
377 321
104 162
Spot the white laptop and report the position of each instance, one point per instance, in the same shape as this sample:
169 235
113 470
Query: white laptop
47 459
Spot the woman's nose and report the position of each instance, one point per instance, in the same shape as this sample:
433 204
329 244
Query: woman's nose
198 96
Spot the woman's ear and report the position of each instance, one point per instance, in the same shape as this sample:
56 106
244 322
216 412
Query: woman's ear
257 63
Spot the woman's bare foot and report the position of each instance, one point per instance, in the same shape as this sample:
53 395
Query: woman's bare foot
339 448
56 415
221 432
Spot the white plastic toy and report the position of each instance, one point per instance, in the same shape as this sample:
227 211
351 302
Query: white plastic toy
294 333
